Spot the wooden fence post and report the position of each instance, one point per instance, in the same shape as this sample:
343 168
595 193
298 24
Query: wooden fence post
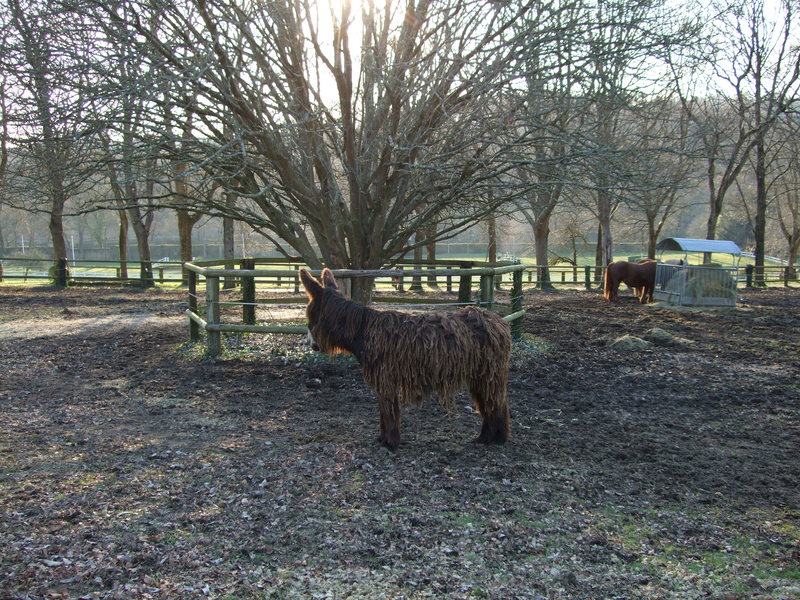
516 305
748 275
194 328
487 291
213 338
588 277
248 293
465 285
1 272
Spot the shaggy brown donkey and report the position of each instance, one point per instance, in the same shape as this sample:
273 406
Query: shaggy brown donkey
405 358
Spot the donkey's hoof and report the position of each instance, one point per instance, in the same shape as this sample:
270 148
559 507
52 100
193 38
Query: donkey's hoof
391 442
497 437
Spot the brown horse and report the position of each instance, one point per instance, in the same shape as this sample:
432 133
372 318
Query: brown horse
405 358
641 276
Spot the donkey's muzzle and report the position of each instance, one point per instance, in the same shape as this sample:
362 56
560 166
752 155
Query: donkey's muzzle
312 342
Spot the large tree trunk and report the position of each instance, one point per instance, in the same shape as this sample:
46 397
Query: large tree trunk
59 240
714 208
604 217
761 212
430 248
651 236
491 251
122 242
541 237
141 223
186 223
57 229
362 289
791 269
228 242
416 280
142 233
598 256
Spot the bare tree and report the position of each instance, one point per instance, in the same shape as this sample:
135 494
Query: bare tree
137 136
625 51
549 112
344 134
754 66
46 86
785 190
773 59
184 195
4 139
663 167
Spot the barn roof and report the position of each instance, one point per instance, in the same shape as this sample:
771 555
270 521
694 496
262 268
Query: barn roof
696 245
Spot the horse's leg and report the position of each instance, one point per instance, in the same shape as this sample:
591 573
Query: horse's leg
611 283
612 296
489 399
390 422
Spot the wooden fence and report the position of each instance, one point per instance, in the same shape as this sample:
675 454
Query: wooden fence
65 272
68 272
489 278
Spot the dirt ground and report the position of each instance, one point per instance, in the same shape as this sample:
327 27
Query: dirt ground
655 455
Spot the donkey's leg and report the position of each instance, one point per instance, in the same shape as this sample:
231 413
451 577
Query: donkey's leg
390 422
489 399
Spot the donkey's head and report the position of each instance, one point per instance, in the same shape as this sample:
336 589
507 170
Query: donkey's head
318 334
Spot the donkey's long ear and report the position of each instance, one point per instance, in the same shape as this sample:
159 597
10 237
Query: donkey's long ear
328 279
312 286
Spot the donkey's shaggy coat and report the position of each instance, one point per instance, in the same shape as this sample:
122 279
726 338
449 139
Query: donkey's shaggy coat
405 358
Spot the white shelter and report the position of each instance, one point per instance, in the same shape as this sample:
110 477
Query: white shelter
698 280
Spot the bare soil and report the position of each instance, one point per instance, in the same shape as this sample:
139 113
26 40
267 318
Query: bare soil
655 455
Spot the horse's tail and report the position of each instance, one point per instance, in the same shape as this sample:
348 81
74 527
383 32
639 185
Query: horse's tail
607 285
